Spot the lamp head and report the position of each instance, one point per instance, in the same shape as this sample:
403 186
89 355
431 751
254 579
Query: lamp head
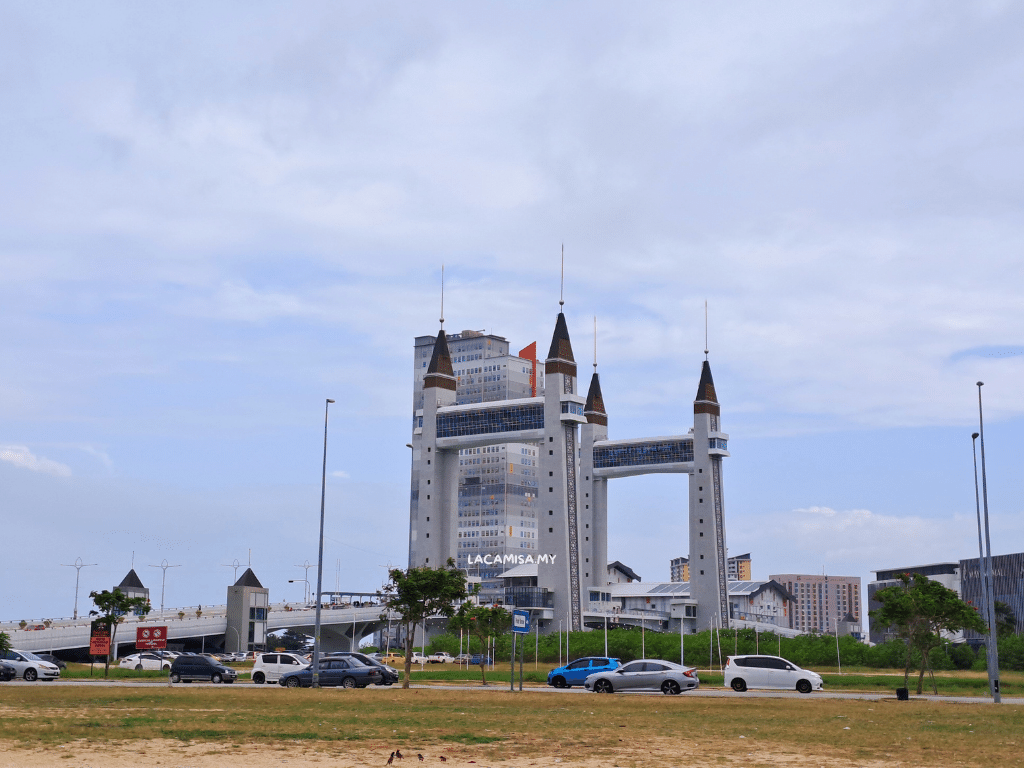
329 400
974 436
981 383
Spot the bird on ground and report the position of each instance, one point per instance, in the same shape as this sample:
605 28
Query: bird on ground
419 756
391 759
444 759
398 754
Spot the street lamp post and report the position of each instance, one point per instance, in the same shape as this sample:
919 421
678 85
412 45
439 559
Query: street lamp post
163 581
320 558
78 565
305 591
993 650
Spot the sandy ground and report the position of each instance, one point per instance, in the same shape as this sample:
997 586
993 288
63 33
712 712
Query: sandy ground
173 754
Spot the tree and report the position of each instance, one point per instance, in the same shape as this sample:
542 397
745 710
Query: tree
482 622
920 610
112 606
291 640
419 593
1006 621
5 643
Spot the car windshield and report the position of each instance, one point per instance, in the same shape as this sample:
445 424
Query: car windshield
29 656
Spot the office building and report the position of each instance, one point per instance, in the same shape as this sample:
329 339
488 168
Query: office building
736 568
822 602
1007 586
947 574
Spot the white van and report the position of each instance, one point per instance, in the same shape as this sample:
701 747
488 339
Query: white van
270 666
742 672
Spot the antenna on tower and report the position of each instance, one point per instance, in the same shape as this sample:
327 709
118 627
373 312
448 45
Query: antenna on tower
595 343
561 286
442 295
705 329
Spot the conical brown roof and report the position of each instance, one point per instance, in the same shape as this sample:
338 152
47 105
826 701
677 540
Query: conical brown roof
440 372
594 409
706 400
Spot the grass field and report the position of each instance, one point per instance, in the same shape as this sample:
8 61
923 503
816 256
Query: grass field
499 726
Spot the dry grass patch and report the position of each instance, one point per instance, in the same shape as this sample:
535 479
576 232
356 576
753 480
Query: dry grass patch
209 724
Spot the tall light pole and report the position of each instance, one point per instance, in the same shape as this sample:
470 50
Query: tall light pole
981 547
305 591
163 581
993 649
320 558
78 565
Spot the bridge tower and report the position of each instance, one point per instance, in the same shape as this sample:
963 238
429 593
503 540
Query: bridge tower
708 584
558 510
594 491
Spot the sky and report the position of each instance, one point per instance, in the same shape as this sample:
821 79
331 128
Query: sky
214 216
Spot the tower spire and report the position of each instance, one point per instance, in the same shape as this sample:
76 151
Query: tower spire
561 285
442 296
705 329
595 343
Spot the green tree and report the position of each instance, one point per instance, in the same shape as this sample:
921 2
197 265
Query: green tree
920 610
1006 621
482 622
5 643
291 640
419 593
111 608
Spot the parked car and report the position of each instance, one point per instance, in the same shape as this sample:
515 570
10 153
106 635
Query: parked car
742 672
140 661
463 658
419 658
270 666
187 668
346 673
53 660
7 672
575 672
441 657
644 674
479 658
393 658
389 674
29 666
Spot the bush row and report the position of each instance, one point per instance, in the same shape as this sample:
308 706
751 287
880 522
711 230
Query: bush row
708 649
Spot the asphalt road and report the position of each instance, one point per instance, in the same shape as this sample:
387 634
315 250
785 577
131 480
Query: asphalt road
502 687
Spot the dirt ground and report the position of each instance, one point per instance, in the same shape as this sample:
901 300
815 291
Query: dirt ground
174 754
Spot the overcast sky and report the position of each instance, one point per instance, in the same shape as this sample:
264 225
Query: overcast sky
213 216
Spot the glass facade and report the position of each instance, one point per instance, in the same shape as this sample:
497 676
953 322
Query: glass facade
491 421
643 454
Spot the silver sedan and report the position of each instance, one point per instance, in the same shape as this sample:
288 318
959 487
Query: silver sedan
645 674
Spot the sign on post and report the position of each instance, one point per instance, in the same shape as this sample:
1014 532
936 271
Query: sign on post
99 639
521 622
150 638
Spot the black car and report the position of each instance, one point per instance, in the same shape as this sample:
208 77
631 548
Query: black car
53 660
186 668
347 673
389 675
7 672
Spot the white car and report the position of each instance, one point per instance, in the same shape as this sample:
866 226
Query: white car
743 672
441 657
270 666
141 661
30 667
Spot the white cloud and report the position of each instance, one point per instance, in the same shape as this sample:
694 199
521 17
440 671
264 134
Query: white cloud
340 473
21 456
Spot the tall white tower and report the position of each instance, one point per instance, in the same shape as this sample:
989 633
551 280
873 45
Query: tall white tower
708 583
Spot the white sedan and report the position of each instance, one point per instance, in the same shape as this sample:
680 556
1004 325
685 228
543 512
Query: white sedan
140 661
29 666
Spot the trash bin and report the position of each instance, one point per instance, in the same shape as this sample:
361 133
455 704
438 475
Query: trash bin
902 694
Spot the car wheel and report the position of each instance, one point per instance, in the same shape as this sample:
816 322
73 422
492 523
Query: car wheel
803 686
348 682
558 682
215 678
603 686
259 678
739 684
175 677
138 667
31 674
166 667
293 682
670 687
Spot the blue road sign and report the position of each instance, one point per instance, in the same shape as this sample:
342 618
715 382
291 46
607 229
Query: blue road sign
521 622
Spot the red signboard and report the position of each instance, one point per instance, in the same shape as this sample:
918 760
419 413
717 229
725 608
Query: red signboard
99 640
150 638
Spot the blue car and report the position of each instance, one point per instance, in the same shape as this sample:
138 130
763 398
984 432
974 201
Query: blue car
577 671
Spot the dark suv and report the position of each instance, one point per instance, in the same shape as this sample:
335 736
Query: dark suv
187 668
390 675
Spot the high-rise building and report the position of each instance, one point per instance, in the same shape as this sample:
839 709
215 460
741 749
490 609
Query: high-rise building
497 484
822 602
737 568
482 416
1007 586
